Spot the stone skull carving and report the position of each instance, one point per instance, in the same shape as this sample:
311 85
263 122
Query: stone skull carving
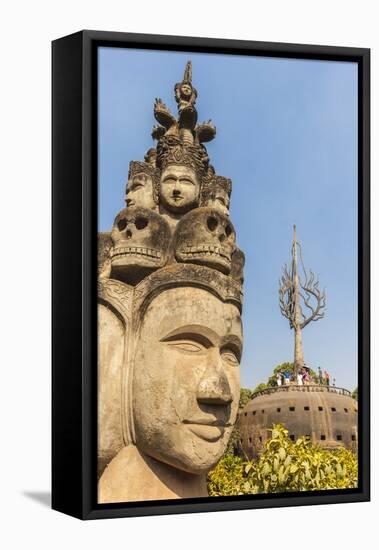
205 236
141 238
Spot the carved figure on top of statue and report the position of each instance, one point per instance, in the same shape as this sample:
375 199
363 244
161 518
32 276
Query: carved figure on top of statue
205 236
185 95
216 192
170 329
182 169
141 239
142 186
183 127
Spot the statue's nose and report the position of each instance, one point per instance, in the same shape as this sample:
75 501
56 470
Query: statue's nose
128 232
214 388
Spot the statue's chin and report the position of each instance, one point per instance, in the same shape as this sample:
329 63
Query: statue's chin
198 462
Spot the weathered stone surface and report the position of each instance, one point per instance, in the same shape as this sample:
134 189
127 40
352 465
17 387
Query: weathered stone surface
206 237
170 330
186 378
111 341
104 246
216 192
141 189
141 240
327 415
179 189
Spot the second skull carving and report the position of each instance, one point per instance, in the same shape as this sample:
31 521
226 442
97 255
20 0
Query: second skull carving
141 240
207 237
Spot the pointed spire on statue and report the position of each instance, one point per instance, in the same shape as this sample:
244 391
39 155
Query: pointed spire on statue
188 72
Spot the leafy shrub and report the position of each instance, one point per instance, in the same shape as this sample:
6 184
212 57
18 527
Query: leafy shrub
285 466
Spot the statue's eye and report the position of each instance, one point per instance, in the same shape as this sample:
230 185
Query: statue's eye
121 224
141 222
188 342
186 181
185 345
212 223
230 357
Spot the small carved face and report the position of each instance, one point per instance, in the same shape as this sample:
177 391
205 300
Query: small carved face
140 243
186 90
140 191
186 378
220 201
206 237
238 262
180 189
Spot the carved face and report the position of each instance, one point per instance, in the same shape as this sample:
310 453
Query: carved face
140 191
140 242
220 201
180 189
186 378
186 90
238 262
206 237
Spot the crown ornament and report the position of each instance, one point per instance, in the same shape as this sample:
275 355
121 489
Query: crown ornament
176 223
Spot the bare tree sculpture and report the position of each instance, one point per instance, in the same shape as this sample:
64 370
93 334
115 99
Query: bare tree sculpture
295 295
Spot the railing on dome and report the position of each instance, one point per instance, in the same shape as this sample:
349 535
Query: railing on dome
304 388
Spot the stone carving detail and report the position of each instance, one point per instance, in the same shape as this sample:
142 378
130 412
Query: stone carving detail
172 272
143 182
140 244
117 294
216 191
205 236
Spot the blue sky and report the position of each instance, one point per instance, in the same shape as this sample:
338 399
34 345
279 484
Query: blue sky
287 137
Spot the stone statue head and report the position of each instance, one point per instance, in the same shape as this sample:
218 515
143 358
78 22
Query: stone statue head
141 189
141 239
205 236
179 189
238 263
185 375
216 194
170 330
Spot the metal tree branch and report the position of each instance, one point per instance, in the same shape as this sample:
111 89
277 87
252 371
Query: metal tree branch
300 301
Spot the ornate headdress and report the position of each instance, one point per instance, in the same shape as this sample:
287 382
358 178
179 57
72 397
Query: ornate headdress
147 168
213 183
194 243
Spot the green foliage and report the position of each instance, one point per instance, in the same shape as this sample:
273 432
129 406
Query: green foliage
260 387
234 447
285 466
354 394
245 396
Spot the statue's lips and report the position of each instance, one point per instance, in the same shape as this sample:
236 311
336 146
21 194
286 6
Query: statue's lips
208 430
177 198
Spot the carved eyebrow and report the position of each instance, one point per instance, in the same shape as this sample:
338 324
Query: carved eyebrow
234 342
170 176
195 337
202 335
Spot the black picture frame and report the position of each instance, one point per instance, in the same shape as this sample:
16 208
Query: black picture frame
74 205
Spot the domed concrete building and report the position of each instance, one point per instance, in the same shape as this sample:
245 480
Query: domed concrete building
326 414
